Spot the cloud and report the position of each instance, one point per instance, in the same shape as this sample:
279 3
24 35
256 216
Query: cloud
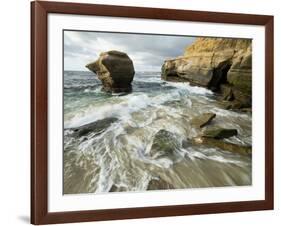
148 52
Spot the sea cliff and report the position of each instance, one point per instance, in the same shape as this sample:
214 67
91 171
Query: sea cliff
220 64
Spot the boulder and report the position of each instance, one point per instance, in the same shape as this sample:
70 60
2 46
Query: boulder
202 120
94 127
159 184
164 144
226 146
115 70
219 133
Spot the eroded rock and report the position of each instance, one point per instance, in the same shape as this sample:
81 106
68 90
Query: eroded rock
115 69
116 188
211 62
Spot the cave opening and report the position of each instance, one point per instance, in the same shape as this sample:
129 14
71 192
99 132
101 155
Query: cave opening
219 75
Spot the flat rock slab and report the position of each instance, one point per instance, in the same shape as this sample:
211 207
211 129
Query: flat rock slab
219 133
226 146
202 120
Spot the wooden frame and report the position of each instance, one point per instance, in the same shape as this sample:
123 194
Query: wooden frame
39 112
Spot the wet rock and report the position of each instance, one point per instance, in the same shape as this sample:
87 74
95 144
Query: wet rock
227 146
202 120
94 127
115 188
219 133
115 70
78 173
159 184
246 110
164 144
242 97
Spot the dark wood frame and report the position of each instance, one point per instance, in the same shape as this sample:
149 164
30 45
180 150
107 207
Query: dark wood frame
39 112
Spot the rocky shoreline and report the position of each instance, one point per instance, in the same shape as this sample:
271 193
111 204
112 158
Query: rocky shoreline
219 64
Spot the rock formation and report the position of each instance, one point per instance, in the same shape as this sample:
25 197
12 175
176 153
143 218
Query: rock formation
220 64
164 144
115 70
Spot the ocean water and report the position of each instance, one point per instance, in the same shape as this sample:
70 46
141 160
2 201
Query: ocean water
116 157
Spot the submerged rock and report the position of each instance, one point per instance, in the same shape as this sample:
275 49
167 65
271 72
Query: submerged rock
219 133
235 148
115 69
211 62
202 120
159 184
164 144
94 127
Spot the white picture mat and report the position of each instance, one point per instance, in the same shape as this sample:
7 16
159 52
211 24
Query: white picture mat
59 202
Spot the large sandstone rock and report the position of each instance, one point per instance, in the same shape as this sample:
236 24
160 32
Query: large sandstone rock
219 133
211 62
115 70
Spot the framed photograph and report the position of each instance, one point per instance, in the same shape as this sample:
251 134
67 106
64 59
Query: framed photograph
148 112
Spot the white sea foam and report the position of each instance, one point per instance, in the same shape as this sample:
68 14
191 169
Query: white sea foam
122 109
189 88
213 155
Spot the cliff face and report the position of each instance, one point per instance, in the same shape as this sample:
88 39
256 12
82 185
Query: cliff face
220 64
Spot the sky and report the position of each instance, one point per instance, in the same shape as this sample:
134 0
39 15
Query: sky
147 52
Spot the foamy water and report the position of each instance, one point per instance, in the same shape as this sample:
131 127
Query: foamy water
119 155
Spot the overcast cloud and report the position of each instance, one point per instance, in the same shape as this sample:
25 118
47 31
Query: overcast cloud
148 52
